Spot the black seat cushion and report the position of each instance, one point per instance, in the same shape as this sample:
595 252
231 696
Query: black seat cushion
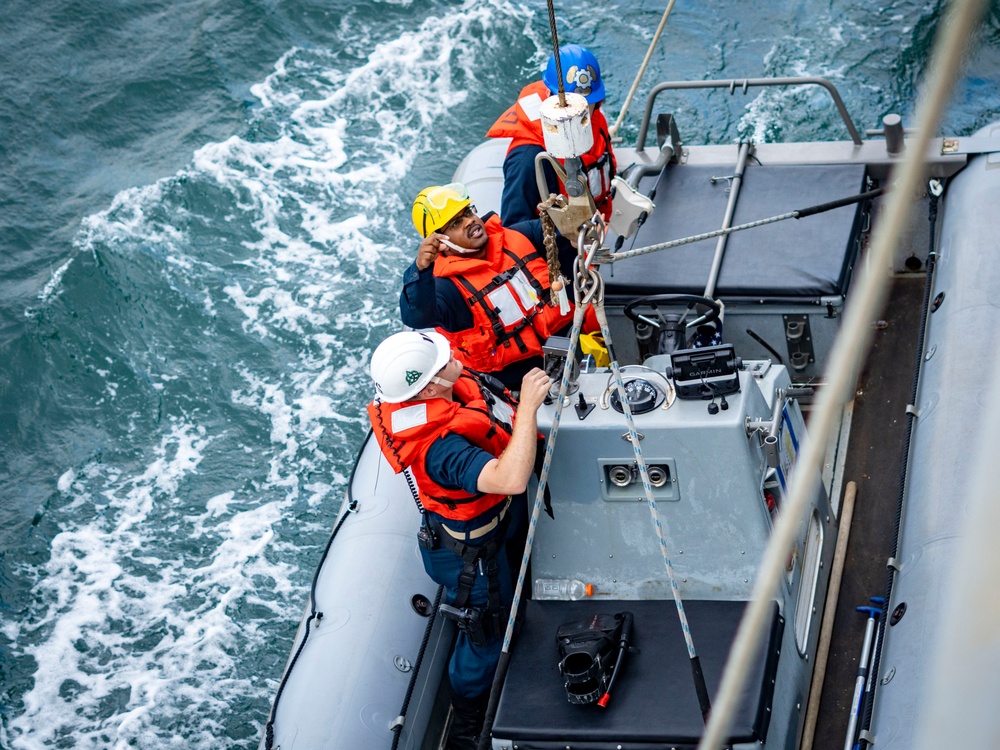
795 258
653 703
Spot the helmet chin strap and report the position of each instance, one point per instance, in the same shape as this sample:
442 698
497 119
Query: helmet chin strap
456 248
443 382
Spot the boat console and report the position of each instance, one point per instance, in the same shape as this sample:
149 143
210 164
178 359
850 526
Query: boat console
708 471
718 436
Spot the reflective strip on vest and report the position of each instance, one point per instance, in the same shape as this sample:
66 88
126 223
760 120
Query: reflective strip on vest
532 106
503 299
409 416
503 413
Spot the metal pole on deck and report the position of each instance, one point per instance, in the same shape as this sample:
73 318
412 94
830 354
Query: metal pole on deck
727 221
829 615
613 130
862 678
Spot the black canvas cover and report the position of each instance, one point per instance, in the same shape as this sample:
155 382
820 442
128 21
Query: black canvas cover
653 702
796 258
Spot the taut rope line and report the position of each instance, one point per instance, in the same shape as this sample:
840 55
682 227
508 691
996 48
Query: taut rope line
613 130
613 257
699 677
555 49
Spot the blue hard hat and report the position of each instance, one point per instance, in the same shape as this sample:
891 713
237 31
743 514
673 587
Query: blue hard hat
581 73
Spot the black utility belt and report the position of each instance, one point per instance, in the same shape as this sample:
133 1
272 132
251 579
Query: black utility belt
433 533
471 535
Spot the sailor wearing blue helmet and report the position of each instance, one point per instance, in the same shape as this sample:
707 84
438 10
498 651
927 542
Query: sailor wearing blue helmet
523 125
581 71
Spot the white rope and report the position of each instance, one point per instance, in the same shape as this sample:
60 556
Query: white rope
633 437
867 300
550 446
613 130
584 299
614 257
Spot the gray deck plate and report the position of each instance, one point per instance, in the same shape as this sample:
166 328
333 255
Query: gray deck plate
654 704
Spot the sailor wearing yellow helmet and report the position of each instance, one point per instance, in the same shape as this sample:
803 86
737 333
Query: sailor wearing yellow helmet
485 287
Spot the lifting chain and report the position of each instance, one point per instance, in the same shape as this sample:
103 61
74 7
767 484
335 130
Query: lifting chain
588 285
551 250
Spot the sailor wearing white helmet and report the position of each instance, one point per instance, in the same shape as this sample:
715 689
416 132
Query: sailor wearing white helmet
468 452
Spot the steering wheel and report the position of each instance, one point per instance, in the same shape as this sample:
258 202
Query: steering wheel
712 308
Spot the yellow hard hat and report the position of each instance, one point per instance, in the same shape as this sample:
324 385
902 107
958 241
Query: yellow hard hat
435 206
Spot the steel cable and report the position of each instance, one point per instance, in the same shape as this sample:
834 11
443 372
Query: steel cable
699 677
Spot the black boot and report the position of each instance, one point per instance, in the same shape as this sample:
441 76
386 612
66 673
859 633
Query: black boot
466 722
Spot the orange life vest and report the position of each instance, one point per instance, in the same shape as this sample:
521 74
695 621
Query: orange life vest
523 123
508 294
406 431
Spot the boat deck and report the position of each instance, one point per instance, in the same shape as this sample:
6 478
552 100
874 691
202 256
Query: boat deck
874 461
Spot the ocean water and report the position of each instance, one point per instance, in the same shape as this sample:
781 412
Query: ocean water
204 223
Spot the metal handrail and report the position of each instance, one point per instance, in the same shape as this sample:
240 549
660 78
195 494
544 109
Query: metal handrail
745 84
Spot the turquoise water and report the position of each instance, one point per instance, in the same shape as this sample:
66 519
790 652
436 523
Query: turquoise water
205 218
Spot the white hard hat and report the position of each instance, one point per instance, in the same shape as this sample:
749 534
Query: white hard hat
404 363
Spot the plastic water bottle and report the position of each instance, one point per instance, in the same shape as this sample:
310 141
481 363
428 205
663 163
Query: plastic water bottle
562 588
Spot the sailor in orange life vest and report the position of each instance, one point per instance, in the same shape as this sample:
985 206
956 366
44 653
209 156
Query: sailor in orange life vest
482 285
522 122
468 453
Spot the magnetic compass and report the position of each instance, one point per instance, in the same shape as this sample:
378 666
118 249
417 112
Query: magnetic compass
642 396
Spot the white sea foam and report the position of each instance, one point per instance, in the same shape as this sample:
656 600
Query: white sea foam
51 287
132 636
169 580
220 503
66 480
793 56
